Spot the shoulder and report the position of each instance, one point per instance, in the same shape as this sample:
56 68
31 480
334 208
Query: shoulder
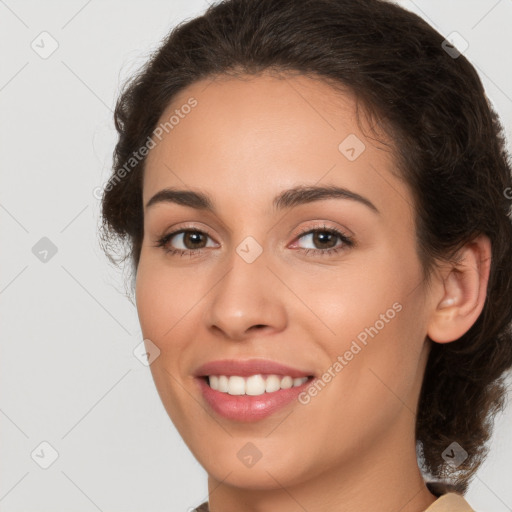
450 502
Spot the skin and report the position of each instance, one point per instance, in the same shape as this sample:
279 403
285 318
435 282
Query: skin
352 448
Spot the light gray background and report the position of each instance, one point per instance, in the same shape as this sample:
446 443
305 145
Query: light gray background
68 374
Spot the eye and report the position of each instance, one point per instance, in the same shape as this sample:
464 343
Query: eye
184 241
323 240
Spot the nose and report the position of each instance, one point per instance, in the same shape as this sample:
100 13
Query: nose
247 299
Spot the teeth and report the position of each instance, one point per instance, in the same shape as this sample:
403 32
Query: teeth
223 384
254 385
286 382
272 384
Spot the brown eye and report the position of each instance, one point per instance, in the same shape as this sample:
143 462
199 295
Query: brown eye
185 241
194 239
323 240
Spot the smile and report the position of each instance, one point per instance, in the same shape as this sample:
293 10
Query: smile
250 390
253 385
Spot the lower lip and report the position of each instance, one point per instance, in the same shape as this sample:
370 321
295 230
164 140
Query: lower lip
248 408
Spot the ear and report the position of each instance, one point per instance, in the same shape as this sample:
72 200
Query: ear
462 292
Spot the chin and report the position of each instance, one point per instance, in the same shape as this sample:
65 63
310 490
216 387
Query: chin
267 473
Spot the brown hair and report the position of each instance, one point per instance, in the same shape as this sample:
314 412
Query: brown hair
448 141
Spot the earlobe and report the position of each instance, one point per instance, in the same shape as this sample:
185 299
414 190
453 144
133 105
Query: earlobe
462 292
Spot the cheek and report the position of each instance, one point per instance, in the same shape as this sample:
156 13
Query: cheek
370 314
150 298
357 297
164 298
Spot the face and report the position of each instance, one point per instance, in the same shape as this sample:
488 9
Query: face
326 284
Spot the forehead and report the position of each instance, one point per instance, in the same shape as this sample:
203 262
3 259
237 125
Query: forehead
260 134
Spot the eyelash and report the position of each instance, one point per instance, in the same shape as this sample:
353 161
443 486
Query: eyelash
347 242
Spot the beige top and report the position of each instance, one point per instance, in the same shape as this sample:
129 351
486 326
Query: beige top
449 502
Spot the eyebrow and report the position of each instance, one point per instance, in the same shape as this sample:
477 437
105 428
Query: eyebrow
290 198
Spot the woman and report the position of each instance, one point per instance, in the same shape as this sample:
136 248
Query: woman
315 198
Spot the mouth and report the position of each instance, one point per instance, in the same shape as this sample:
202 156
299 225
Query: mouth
252 390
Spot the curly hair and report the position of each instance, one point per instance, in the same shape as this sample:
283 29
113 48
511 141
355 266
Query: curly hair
448 142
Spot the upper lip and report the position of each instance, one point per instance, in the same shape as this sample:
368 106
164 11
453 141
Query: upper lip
247 367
